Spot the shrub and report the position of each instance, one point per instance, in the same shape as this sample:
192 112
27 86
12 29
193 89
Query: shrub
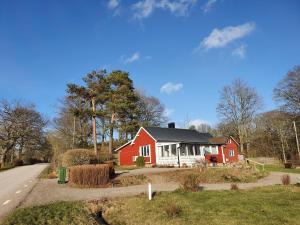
288 165
234 187
17 162
111 168
173 210
285 179
89 175
140 161
77 157
31 161
190 183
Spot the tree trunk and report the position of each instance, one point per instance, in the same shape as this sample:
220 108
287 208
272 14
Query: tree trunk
103 133
283 148
94 127
74 132
111 134
2 159
111 137
19 153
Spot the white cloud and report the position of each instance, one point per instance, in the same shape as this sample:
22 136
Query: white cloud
198 122
208 5
168 112
131 59
240 51
221 38
112 4
145 8
170 88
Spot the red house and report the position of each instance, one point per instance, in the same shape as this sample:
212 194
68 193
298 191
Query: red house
172 146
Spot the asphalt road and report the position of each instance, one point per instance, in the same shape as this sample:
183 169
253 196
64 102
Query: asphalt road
15 185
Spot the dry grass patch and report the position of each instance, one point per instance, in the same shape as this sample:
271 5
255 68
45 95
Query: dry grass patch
214 175
130 180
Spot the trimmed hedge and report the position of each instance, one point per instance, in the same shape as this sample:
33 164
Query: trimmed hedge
89 175
75 157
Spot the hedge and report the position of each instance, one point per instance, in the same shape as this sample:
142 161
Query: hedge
75 157
89 175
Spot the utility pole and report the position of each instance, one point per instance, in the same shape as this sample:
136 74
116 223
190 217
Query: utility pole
298 148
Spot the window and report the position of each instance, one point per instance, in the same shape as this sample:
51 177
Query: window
197 150
166 150
183 150
145 150
190 150
214 150
207 150
231 152
173 150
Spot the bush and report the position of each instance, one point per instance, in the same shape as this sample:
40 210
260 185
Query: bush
285 179
173 210
77 157
140 161
111 168
234 187
288 165
17 162
31 161
190 183
89 175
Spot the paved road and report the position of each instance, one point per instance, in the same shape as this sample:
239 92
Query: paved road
15 184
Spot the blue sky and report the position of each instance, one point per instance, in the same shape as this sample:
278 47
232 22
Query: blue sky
181 51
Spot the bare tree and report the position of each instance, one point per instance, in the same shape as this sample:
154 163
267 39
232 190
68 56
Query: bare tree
238 105
151 110
287 91
21 127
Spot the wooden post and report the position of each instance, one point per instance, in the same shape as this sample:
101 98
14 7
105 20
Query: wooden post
298 148
94 126
150 191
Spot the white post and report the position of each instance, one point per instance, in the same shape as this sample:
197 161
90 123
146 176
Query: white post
150 191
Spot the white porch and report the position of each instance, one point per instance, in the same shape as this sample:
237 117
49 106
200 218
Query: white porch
175 153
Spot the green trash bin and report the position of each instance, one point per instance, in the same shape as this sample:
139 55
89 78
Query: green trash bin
62 175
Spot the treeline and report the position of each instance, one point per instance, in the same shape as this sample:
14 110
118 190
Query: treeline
104 112
22 134
259 133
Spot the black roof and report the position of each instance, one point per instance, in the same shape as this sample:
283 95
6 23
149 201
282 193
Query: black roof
178 135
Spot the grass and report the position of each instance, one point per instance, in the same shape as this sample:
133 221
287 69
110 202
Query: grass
210 175
280 168
48 173
121 168
268 205
215 175
60 213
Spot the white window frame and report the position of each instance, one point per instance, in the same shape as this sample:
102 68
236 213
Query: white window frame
231 153
216 150
145 150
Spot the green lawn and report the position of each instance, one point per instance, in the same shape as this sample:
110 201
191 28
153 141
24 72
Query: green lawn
60 213
268 205
278 168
